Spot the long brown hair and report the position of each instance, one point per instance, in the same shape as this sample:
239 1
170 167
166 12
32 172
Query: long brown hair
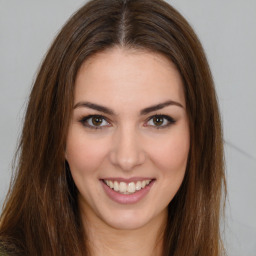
41 216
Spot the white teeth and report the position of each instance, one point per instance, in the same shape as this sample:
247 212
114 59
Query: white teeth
122 187
116 186
138 185
111 184
131 187
125 188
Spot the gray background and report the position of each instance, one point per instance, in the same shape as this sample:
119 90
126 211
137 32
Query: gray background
227 30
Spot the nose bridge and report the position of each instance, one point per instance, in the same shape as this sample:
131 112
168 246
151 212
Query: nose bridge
127 151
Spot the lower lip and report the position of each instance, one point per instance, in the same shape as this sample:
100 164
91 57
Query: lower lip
127 199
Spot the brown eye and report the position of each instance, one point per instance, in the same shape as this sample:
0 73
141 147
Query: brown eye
97 120
158 120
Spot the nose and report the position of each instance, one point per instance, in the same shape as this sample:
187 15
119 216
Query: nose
127 150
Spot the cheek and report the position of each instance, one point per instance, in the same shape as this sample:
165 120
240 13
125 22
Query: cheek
170 158
170 154
84 154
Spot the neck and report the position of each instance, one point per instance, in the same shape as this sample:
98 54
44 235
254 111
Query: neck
104 240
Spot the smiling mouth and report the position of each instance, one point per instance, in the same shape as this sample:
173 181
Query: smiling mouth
127 188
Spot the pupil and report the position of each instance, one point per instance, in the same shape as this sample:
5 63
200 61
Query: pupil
97 121
158 121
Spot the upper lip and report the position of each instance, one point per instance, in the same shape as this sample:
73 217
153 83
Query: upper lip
132 179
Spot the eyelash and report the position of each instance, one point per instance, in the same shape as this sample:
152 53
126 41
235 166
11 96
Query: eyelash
166 118
84 121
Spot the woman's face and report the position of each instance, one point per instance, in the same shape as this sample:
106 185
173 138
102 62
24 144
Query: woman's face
128 140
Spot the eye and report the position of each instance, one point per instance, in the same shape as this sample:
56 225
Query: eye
160 121
94 121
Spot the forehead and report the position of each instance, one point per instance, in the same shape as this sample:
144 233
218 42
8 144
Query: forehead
128 76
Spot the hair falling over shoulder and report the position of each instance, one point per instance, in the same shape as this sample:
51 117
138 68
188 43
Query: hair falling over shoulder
40 214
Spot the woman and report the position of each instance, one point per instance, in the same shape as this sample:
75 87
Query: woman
121 150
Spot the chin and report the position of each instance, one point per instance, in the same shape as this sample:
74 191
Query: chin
127 221
131 219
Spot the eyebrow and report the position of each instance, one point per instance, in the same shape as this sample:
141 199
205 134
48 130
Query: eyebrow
144 111
95 107
160 106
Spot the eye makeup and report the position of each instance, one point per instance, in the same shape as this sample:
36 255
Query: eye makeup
157 121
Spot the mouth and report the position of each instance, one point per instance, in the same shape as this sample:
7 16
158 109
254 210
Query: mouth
127 188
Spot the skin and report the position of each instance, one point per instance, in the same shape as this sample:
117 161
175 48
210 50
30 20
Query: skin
128 144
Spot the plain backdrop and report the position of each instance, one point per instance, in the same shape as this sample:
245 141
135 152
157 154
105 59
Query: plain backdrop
227 30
